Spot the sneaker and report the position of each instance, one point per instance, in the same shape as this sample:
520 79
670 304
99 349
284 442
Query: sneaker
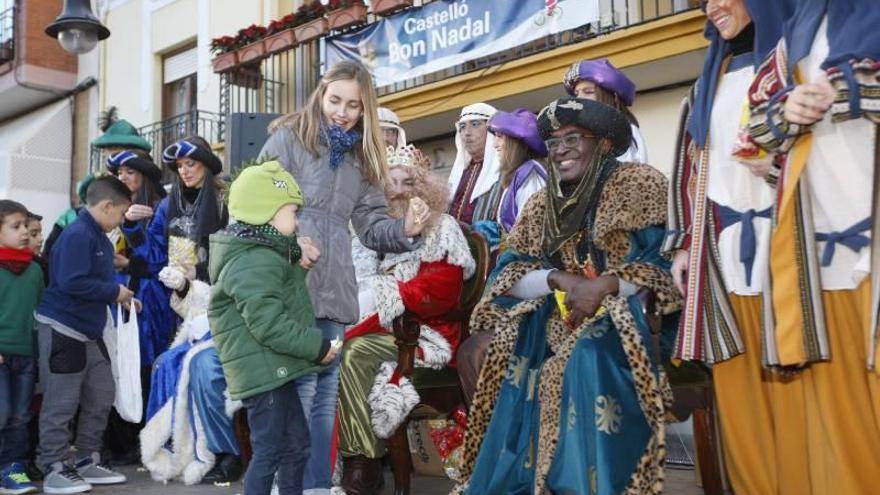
97 473
14 480
61 478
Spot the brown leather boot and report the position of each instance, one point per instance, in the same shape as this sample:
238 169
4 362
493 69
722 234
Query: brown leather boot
361 475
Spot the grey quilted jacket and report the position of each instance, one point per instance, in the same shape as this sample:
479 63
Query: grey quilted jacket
332 200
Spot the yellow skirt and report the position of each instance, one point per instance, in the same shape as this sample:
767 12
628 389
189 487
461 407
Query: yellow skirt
762 417
843 402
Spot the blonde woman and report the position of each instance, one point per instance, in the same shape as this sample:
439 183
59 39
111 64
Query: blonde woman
335 150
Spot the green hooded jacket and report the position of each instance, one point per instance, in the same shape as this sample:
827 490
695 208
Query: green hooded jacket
260 314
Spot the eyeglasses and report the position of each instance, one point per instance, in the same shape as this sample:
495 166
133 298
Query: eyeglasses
568 141
473 124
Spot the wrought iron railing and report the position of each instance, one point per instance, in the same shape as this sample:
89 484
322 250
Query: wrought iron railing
209 125
7 35
279 83
613 15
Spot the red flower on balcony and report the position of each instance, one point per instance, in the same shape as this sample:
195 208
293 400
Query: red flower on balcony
286 22
224 44
251 33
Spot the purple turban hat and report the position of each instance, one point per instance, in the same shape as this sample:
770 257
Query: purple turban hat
605 75
520 124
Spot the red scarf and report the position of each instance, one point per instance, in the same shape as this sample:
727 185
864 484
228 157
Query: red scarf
15 260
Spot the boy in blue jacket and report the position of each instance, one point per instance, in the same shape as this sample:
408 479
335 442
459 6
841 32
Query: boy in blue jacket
74 364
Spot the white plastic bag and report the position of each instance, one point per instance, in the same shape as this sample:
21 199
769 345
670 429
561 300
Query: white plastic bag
128 403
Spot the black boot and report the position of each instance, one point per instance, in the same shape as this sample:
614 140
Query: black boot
227 468
33 471
361 475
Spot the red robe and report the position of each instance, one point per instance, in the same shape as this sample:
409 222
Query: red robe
429 296
443 262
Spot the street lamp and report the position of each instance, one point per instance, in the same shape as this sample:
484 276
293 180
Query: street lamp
77 29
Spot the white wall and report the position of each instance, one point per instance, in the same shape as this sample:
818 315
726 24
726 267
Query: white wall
35 161
658 118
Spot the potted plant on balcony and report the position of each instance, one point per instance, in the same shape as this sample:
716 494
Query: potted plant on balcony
252 46
281 34
346 13
225 54
313 23
385 7
246 76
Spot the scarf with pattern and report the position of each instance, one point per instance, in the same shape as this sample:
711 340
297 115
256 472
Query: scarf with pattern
340 142
294 253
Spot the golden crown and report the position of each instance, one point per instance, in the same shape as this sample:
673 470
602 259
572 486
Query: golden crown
407 156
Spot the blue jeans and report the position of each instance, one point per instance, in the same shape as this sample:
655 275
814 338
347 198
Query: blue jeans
318 394
280 440
17 377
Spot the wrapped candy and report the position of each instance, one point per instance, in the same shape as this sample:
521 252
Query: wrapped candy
117 239
452 464
447 435
181 252
745 149
447 438
459 415
560 303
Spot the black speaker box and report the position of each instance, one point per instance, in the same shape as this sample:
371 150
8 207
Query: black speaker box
246 133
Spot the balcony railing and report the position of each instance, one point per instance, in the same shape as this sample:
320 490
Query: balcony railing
613 15
280 83
209 125
7 35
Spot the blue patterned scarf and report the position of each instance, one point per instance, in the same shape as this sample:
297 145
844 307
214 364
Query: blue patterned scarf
340 142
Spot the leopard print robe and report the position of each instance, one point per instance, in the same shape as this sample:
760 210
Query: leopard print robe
633 198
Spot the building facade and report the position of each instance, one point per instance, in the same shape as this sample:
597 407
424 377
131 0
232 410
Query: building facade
161 78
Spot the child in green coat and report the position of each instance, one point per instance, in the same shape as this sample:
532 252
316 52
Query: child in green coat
21 285
262 322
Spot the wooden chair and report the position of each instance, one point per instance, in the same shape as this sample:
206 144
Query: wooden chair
242 432
692 395
438 389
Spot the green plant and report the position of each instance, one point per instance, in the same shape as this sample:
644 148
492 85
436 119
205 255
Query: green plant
310 11
343 4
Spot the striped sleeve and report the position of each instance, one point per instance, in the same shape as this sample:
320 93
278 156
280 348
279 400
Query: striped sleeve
767 96
680 198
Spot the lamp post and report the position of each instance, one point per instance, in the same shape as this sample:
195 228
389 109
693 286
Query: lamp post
77 29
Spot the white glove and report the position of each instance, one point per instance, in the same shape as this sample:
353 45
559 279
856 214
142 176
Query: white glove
172 277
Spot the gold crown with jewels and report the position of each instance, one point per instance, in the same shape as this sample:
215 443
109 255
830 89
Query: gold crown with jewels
408 156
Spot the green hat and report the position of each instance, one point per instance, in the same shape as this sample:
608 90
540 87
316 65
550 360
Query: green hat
260 191
82 186
123 135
